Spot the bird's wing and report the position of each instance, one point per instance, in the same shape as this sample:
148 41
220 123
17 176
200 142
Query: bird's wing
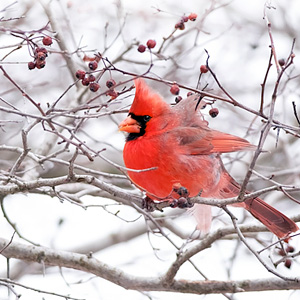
196 141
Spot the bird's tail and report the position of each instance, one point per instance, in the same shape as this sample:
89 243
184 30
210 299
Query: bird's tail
273 219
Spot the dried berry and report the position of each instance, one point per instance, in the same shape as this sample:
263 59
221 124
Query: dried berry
151 44
47 40
41 49
113 94
281 62
290 249
288 263
31 65
40 64
193 17
281 252
174 89
185 18
41 56
203 69
141 48
85 81
213 112
178 99
180 25
80 74
93 65
94 86
110 83
91 78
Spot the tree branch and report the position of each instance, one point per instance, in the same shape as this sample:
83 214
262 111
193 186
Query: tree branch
94 266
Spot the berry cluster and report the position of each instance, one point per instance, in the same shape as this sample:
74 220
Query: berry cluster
180 24
88 79
284 252
150 44
40 54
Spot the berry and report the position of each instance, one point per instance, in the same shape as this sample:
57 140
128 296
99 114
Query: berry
80 74
85 81
290 249
178 99
184 18
281 252
203 69
40 64
151 44
91 78
193 17
213 112
180 25
288 263
281 62
41 49
94 86
189 94
113 94
174 89
31 65
110 83
93 65
41 56
47 40
141 48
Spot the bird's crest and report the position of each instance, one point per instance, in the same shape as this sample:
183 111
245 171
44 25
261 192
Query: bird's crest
146 101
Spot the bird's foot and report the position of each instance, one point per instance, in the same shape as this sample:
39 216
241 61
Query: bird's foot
148 204
183 201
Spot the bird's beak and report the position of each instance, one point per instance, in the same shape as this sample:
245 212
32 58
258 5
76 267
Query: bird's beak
130 125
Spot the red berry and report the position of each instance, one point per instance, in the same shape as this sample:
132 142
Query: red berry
189 94
47 40
180 25
193 17
281 62
213 112
203 69
151 44
178 99
281 252
141 48
288 263
41 49
94 86
93 65
41 56
31 65
80 74
113 94
185 18
91 78
110 83
40 64
290 249
174 89
85 81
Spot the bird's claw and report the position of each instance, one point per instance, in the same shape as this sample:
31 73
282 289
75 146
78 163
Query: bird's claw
148 204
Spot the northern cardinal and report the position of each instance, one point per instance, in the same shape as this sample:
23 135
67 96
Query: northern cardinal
176 142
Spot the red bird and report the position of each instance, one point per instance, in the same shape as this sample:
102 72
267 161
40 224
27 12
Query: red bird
176 142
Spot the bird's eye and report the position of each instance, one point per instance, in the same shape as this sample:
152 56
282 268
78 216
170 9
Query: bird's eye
146 118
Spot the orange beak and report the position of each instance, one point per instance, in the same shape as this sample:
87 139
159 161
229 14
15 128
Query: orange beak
130 125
